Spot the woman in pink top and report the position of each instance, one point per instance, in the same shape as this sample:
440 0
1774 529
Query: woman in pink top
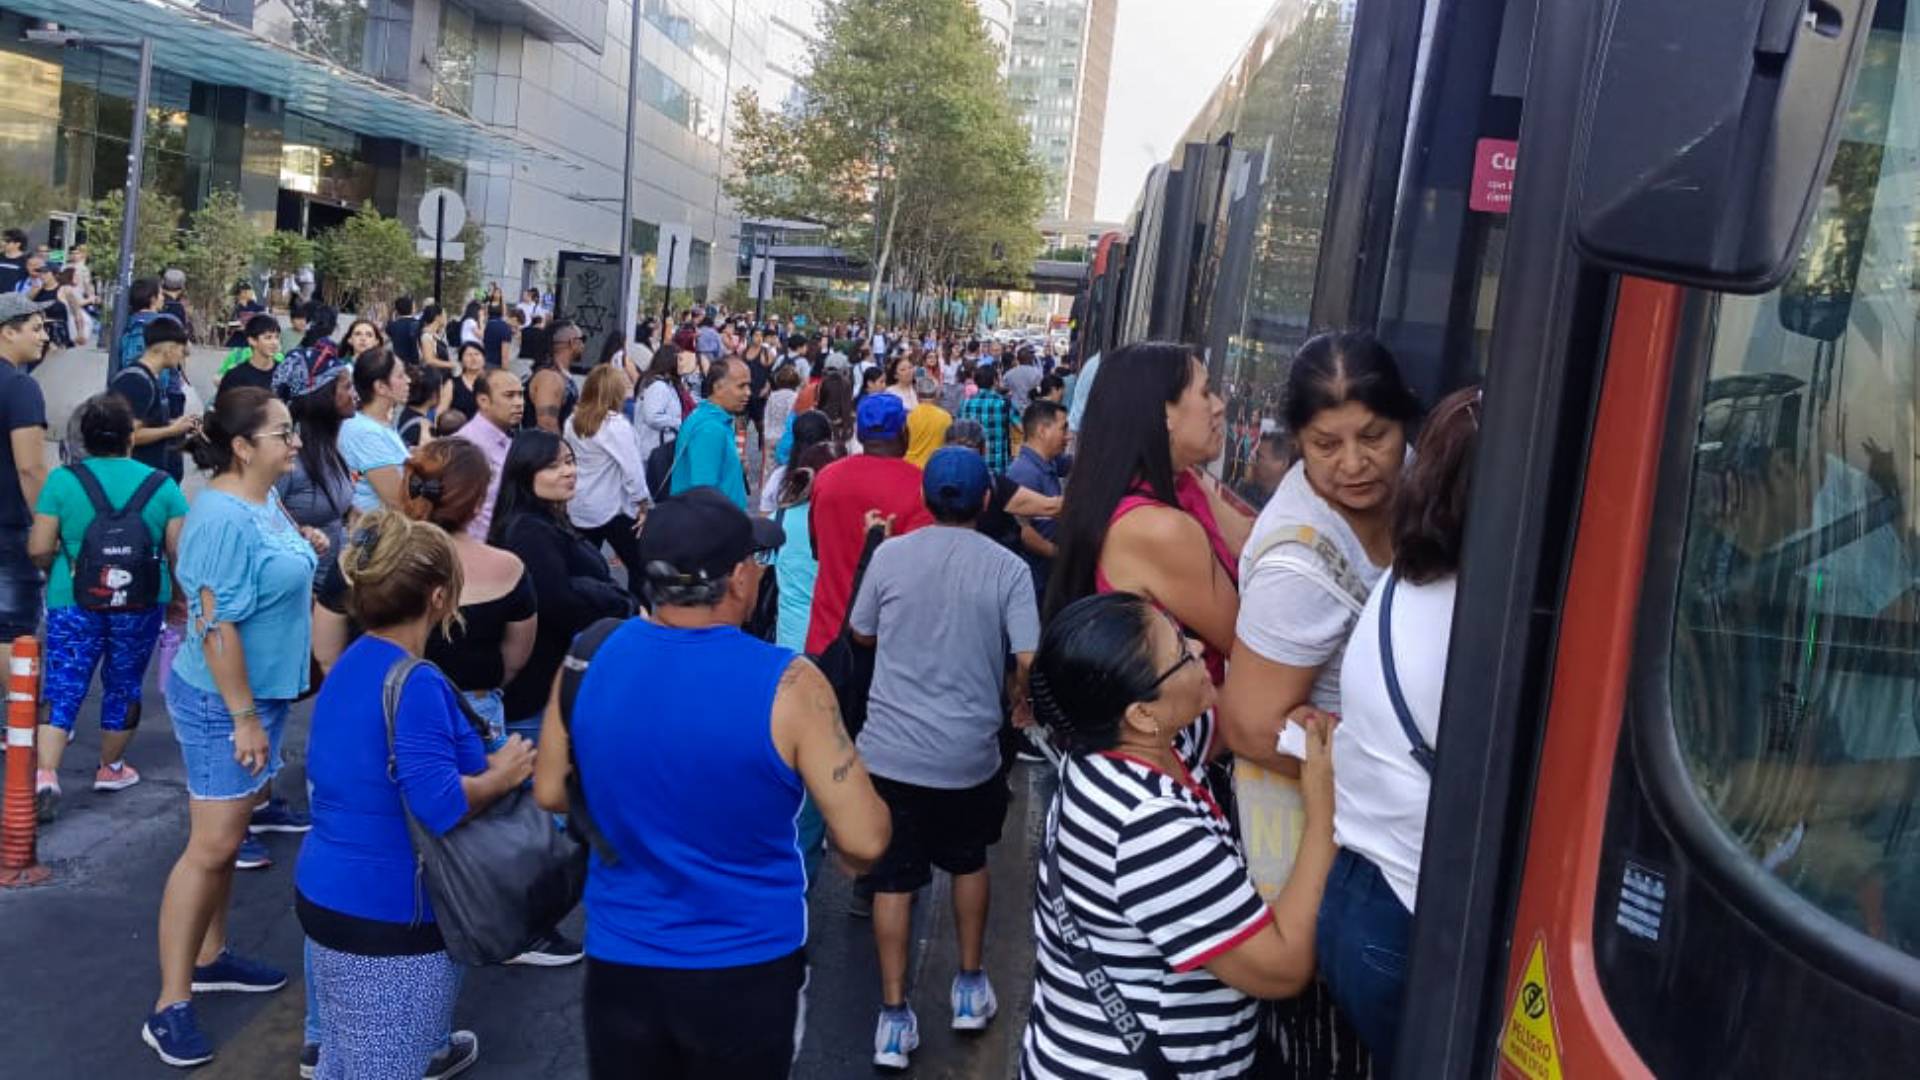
1141 515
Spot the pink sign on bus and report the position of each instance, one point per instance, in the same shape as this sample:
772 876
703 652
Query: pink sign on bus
1493 162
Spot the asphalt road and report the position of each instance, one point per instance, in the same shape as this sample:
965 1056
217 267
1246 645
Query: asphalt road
78 971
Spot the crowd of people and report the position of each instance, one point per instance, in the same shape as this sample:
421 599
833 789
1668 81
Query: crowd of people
881 565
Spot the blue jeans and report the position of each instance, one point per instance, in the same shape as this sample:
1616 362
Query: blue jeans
488 706
1361 947
204 729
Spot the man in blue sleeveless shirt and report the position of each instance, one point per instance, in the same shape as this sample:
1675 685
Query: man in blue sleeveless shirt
695 743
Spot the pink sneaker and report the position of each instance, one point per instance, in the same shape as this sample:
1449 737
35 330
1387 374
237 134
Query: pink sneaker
115 777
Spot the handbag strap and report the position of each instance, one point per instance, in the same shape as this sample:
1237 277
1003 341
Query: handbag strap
573 672
875 537
1126 1025
1422 752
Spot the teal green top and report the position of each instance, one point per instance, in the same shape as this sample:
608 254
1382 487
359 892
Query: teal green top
62 497
707 456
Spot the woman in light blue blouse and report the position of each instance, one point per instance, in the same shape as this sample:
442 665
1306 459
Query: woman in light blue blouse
246 571
368 441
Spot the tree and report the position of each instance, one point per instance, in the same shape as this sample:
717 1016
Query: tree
906 147
216 251
369 261
156 243
284 253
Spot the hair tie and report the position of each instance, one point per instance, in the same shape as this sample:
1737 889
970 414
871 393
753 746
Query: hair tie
364 542
421 487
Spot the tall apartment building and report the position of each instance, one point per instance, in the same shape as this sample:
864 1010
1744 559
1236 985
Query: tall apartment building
791 35
997 17
311 108
1062 52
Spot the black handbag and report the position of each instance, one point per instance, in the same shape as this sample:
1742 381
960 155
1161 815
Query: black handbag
847 664
764 622
500 879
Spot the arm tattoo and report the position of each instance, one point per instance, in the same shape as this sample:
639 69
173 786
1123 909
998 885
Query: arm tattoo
841 771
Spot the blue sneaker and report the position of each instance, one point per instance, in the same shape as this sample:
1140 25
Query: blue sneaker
233 972
174 1033
973 1001
253 855
895 1036
275 815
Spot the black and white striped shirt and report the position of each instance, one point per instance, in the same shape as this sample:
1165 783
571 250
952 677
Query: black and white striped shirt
1159 887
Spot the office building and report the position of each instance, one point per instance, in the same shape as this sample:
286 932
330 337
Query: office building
310 109
1057 77
997 17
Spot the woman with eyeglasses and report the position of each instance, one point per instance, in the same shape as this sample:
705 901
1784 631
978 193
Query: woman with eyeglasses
1141 879
247 573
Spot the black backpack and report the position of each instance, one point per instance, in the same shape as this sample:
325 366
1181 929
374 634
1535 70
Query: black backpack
118 565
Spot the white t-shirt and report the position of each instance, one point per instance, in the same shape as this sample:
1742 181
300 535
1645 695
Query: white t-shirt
1291 610
1379 790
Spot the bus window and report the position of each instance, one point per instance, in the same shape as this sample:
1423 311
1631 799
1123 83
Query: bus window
1796 665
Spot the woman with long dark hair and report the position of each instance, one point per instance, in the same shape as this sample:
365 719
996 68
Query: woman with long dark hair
1143 516
472 369
1381 757
1321 542
664 402
836 401
322 321
318 491
1143 864
809 429
570 577
368 441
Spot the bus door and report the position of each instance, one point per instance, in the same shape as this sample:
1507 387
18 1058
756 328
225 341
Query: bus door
1675 826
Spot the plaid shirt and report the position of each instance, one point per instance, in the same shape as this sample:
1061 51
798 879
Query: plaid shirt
990 407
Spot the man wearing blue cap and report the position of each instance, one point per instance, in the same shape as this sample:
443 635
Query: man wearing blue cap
879 479
931 740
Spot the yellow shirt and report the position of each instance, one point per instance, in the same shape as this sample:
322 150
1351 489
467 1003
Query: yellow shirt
927 428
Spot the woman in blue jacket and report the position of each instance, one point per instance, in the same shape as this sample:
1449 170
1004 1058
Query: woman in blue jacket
384 982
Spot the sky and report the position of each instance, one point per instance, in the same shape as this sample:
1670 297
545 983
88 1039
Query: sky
1168 56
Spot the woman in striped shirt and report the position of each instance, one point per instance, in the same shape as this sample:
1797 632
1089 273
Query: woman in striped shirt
1141 869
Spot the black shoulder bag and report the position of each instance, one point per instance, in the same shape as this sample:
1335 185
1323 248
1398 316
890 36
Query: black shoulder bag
573 671
1126 1025
500 879
847 664
1422 752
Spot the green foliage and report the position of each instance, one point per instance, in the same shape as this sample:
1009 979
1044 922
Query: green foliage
25 199
283 254
368 262
907 149
216 251
156 242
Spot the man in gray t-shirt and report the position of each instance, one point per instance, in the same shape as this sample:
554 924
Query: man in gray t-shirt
944 607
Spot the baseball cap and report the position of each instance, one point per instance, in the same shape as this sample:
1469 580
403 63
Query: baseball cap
16 306
955 482
836 362
881 416
700 536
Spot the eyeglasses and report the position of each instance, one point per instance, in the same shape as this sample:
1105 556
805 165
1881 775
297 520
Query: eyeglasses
1187 656
765 556
286 434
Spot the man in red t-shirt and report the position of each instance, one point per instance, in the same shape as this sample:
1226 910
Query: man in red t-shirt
880 478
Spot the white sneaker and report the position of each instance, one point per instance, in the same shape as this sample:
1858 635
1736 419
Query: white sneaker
894 1037
973 1002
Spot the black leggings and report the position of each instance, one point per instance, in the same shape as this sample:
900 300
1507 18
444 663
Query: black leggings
618 533
648 1023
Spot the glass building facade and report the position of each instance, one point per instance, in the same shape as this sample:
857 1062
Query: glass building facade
1057 78
310 109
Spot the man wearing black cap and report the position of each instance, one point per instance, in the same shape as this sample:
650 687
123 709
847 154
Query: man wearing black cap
932 732
696 929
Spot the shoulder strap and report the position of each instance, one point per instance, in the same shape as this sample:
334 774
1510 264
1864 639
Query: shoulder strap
1422 752
390 690
875 537
1133 1034
573 671
90 486
1306 536
145 492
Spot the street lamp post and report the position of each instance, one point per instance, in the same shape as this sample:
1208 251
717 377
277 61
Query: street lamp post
625 307
136 162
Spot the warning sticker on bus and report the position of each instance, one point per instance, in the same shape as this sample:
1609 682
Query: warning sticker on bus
1494 162
1529 1046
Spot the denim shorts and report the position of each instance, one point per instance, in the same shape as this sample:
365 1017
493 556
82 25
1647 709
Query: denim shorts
22 588
490 706
204 729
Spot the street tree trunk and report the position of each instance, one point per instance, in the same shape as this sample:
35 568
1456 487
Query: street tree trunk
880 262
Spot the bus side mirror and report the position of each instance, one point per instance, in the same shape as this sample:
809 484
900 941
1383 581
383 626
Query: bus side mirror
1706 133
